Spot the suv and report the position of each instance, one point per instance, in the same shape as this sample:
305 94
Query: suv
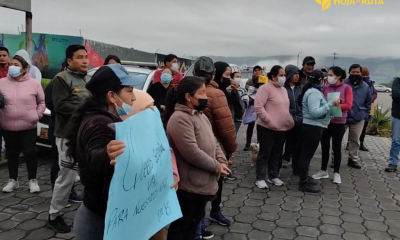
139 70
381 88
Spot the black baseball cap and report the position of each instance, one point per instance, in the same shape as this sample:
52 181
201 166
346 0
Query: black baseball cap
110 76
308 60
315 76
204 64
257 68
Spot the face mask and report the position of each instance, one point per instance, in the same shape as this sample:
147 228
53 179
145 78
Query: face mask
175 67
354 78
14 71
202 104
226 82
331 80
166 78
366 79
125 110
281 81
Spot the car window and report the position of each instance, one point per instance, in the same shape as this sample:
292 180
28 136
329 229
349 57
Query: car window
140 77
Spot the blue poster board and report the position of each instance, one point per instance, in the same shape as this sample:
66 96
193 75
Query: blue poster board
141 201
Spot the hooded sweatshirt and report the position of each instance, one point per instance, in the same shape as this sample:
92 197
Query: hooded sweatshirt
32 69
293 93
24 103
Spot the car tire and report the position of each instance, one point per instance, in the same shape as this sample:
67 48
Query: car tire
387 91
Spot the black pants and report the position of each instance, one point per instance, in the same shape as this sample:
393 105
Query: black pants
55 168
216 203
249 133
16 142
193 208
311 136
293 146
270 153
364 131
336 132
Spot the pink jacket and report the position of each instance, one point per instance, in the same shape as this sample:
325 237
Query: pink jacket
24 103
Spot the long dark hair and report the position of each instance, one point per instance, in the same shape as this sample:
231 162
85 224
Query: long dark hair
274 72
313 79
94 101
187 85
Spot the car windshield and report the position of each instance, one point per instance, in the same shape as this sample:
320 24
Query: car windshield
140 77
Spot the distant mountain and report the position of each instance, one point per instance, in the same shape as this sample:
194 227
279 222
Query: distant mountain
382 70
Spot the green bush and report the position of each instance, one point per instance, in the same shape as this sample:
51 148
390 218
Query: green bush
45 82
381 122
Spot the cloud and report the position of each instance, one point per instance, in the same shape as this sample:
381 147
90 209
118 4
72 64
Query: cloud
223 27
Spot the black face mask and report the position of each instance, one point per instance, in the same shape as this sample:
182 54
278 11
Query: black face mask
225 83
354 78
202 104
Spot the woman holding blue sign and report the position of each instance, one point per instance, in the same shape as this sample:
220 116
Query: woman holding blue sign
337 127
92 144
199 157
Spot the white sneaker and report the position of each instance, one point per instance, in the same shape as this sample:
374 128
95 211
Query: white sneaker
276 181
320 174
261 184
34 186
11 185
337 179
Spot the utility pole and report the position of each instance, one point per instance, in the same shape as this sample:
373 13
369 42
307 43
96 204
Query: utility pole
298 57
334 58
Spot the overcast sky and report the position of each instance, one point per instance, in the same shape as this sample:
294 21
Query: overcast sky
222 27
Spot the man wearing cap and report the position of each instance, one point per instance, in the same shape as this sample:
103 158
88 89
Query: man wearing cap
308 67
69 92
220 116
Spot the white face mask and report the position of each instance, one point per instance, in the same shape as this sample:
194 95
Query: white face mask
281 81
175 67
331 80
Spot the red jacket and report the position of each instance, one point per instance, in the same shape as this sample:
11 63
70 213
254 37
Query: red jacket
3 72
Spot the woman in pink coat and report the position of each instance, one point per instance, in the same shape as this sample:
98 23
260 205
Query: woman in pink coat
24 106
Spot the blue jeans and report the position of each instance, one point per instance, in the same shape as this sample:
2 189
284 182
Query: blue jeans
395 149
200 229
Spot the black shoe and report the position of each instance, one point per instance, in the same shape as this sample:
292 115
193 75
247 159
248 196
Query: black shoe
312 181
363 148
58 225
74 197
207 235
231 177
353 164
220 219
246 148
391 168
308 187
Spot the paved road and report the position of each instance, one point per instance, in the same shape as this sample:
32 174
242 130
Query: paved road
364 206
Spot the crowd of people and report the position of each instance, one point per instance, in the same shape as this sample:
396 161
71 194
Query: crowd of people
292 110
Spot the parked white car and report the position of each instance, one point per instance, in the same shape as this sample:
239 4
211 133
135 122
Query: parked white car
144 72
381 88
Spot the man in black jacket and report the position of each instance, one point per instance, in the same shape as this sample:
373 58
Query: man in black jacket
308 67
395 149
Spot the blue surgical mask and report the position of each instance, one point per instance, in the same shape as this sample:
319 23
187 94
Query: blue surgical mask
166 78
14 71
125 110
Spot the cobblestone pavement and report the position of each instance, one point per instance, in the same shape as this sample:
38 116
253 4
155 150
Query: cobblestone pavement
364 206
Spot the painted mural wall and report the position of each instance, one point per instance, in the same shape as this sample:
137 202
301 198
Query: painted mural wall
48 50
